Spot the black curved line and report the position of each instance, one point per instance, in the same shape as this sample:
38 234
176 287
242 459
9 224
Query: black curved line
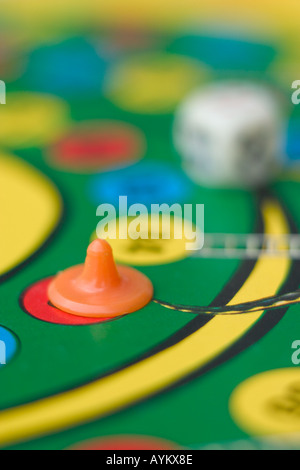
265 324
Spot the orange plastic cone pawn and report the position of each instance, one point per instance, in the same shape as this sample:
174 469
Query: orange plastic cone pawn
99 288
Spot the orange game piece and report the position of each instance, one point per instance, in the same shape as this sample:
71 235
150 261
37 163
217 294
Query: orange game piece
99 288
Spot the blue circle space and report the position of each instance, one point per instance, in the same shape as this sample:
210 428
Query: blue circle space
147 183
8 346
293 140
225 52
67 68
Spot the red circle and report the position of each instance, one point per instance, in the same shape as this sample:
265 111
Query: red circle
98 146
35 302
127 443
125 39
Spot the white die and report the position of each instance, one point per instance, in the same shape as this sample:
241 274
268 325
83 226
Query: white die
230 134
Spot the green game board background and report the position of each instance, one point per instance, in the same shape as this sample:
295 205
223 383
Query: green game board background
53 358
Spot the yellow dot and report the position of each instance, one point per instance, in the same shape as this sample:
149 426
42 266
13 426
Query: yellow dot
32 120
165 248
153 83
268 403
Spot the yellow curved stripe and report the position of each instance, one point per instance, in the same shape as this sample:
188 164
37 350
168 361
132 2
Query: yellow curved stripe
30 208
153 374
29 16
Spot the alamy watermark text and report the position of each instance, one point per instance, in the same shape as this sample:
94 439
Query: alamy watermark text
161 222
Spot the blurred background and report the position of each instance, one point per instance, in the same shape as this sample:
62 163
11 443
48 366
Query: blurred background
144 57
92 88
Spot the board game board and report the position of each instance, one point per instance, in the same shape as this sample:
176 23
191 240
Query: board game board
88 118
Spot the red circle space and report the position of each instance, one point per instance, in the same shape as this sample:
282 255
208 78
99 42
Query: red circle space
35 302
90 147
127 443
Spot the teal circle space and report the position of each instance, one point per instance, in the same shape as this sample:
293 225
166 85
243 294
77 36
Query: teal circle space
8 346
67 68
144 183
226 53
